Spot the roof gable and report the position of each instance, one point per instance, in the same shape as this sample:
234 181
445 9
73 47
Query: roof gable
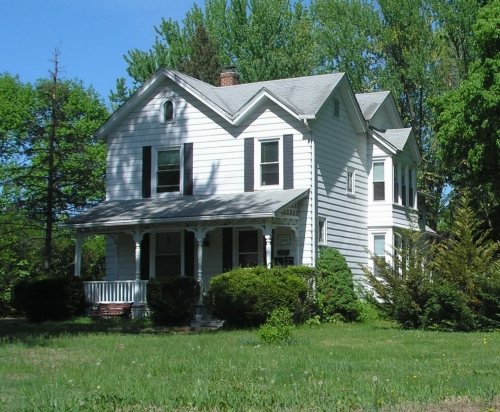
373 104
302 97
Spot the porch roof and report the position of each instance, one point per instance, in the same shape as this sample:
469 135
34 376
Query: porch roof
248 205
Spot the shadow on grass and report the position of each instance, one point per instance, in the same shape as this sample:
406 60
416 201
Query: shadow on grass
14 331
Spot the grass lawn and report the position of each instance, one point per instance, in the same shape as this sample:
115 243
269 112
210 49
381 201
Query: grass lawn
111 366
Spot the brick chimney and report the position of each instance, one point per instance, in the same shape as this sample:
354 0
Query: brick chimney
229 77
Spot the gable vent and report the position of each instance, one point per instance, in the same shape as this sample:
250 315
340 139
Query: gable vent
336 108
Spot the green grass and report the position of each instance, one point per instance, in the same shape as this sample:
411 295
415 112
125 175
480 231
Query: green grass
112 366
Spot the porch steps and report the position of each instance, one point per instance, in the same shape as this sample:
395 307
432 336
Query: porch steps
203 319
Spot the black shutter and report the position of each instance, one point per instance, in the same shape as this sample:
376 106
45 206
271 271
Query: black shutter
227 249
145 256
288 161
189 254
188 169
146 171
249 164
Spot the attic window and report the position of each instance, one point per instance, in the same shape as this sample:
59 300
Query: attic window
168 111
336 108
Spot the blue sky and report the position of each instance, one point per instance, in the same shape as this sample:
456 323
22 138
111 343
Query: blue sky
92 35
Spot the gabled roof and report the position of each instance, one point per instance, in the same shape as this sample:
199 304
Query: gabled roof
371 103
248 205
395 140
302 97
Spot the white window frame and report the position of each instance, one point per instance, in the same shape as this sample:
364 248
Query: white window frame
350 183
152 252
154 171
258 164
373 181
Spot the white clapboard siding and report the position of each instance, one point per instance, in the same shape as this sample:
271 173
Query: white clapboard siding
338 147
217 146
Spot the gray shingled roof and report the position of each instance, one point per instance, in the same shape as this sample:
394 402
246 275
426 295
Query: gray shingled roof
187 208
396 137
303 95
370 102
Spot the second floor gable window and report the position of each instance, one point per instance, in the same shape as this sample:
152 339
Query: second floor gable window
168 111
168 172
269 163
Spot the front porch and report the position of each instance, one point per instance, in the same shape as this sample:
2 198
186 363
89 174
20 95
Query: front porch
194 236
118 291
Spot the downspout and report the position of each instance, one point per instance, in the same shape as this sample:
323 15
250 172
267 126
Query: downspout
313 195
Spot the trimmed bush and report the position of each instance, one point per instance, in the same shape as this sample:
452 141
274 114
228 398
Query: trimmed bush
336 297
246 297
172 300
50 298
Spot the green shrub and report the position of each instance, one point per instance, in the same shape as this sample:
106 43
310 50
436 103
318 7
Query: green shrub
278 327
246 297
50 298
172 300
336 297
401 285
447 309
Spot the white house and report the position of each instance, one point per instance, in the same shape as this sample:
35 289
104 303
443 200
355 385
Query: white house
201 179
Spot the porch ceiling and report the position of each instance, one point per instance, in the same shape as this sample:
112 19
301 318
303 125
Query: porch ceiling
248 205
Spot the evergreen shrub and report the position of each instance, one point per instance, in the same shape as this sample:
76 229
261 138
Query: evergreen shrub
278 327
172 300
50 298
246 297
336 298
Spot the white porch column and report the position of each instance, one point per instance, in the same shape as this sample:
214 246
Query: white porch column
78 253
200 234
267 230
137 235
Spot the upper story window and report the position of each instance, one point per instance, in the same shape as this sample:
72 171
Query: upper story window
378 181
168 170
269 163
411 189
168 111
350 181
396 183
403 186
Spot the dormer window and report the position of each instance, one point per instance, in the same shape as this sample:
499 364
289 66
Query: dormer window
168 111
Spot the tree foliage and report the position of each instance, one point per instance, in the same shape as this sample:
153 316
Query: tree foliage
452 284
466 132
51 164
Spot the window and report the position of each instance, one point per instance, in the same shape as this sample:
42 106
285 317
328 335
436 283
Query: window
378 181
403 186
322 230
168 111
379 245
168 254
269 163
350 181
248 248
396 184
411 200
168 171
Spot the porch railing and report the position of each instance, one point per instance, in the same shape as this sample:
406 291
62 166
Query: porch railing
116 291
